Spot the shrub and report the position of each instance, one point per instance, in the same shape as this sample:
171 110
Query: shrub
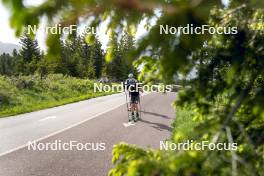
5 97
6 91
23 82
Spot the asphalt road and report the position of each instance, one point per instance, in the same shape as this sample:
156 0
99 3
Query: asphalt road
16 131
107 125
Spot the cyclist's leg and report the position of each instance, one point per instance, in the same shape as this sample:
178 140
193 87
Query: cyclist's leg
131 112
130 108
130 103
137 107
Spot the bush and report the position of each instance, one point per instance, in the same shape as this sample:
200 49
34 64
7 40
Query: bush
5 97
6 91
23 82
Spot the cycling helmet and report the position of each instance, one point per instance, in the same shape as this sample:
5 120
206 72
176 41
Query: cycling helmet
130 75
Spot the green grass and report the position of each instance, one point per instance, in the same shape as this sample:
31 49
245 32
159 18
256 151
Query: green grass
31 93
183 126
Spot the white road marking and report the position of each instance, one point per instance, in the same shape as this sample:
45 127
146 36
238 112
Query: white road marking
62 130
128 124
47 118
59 131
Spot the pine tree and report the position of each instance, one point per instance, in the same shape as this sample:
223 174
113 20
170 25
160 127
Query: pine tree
30 49
97 56
14 53
127 44
120 66
30 54
91 70
18 62
113 67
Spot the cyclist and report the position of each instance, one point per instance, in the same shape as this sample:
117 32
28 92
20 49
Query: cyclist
133 89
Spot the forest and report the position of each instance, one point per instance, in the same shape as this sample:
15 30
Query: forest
76 59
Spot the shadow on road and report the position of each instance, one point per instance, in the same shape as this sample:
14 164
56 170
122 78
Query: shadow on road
157 126
155 114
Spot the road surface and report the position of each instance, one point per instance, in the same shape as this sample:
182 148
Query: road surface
101 120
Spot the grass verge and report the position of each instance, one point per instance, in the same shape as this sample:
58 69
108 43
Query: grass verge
31 93
183 125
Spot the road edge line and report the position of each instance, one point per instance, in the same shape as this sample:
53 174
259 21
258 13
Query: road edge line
62 130
59 131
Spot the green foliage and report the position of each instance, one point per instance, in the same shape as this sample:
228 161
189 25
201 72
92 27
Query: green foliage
7 92
76 58
130 160
118 66
29 55
30 49
224 100
23 62
29 93
98 56
7 63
